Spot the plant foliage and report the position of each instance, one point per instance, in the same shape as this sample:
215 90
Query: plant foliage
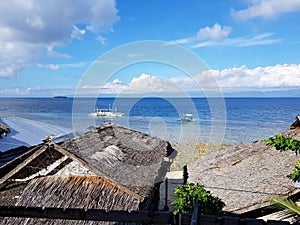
284 203
282 144
185 196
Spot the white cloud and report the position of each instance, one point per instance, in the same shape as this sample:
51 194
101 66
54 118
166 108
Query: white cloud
264 77
230 79
77 33
117 81
10 69
217 32
261 39
101 39
213 33
114 87
266 9
54 54
76 65
15 92
243 78
146 83
37 91
29 27
219 36
48 66
35 22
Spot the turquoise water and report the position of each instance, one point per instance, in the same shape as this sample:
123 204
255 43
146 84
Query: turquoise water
240 120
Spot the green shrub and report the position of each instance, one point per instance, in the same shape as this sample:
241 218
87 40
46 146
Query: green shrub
185 196
282 143
296 174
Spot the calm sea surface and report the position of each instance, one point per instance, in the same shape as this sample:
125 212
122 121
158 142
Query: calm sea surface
229 120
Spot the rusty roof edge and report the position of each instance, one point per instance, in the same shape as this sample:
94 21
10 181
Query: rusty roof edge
95 170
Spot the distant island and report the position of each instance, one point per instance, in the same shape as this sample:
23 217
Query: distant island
60 97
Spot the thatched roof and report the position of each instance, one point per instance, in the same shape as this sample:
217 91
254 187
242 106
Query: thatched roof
130 158
10 194
246 176
73 192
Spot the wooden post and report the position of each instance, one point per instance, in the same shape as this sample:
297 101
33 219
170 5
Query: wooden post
179 218
166 207
194 220
185 174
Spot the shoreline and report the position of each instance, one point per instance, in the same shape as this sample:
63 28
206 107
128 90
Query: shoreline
188 152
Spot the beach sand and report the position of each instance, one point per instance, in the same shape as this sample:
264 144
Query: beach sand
191 151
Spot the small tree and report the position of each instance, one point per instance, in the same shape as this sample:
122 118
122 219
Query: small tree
185 196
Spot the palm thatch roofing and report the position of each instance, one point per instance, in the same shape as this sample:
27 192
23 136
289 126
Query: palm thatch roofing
130 158
127 160
247 176
73 192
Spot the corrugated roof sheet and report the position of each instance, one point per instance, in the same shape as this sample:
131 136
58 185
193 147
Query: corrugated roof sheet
24 132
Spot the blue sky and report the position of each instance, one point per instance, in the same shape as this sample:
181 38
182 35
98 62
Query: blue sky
247 45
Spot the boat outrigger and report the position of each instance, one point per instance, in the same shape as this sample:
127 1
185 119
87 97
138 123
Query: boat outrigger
109 112
188 117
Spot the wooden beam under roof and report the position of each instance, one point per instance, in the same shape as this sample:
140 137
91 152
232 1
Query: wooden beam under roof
24 163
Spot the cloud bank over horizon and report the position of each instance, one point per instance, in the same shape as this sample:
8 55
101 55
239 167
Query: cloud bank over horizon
232 79
235 79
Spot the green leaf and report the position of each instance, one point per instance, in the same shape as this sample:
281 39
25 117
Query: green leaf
284 203
185 196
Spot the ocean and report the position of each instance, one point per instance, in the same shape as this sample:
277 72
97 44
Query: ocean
229 120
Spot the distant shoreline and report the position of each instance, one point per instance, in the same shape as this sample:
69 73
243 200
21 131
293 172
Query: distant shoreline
60 97
142 97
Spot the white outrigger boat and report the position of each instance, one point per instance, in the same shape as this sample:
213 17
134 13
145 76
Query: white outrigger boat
107 112
188 117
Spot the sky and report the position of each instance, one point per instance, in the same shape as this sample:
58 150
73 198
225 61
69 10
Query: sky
248 47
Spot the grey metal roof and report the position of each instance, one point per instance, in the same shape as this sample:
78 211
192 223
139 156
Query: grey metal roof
24 132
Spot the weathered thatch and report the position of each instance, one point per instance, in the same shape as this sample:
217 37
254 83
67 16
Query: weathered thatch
246 176
10 194
132 161
73 192
130 158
